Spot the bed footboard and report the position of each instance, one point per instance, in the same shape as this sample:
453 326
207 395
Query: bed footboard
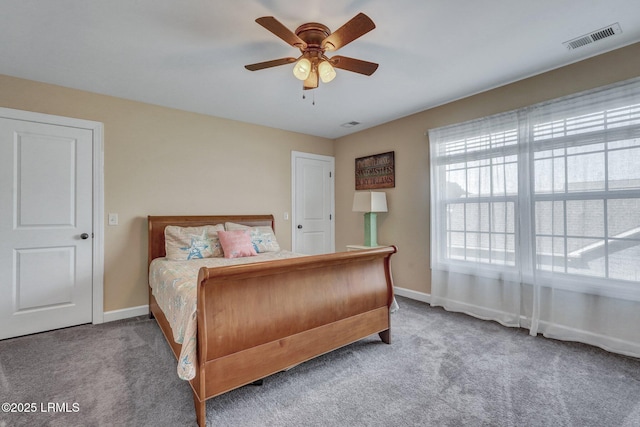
258 319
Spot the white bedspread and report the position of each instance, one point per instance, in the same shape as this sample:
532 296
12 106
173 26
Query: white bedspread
174 286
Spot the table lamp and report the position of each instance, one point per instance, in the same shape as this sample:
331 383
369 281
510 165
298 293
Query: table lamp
370 202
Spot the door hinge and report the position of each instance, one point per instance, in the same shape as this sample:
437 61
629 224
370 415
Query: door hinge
330 217
330 174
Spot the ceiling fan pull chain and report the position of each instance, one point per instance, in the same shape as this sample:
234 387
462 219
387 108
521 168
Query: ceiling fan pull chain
313 97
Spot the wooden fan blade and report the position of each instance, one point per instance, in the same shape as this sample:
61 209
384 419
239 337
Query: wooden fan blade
269 64
355 65
276 27
356 27
312 81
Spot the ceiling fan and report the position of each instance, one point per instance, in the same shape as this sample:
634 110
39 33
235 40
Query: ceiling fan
313 40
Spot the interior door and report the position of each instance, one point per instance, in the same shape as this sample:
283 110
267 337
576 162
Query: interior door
313 199
46 184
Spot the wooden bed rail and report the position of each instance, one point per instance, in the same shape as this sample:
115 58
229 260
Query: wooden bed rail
301 263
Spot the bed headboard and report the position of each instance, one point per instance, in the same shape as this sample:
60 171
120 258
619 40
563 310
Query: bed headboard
157 225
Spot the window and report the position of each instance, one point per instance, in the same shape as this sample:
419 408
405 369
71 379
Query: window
480 199
587 194
550 189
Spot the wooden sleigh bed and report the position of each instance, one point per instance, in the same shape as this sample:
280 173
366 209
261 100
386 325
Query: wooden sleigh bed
257 319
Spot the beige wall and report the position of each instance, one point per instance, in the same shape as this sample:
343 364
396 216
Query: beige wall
407 222
160 161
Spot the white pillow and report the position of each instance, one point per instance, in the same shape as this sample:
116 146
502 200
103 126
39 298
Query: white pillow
185 243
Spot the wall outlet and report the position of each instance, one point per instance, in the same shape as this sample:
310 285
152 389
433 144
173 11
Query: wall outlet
113 219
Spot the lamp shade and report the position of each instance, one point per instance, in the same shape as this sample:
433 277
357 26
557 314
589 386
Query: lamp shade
326 71
370 201
302 69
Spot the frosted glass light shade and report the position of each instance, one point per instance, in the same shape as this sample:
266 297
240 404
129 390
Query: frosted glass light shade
326 71
302 69
370 201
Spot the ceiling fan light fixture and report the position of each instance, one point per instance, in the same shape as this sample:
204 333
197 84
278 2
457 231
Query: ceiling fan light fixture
302 69
312 81
326 71
313 39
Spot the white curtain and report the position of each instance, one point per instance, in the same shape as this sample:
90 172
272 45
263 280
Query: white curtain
535 218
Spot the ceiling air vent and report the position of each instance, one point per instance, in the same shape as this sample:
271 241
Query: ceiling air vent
350 124
600 34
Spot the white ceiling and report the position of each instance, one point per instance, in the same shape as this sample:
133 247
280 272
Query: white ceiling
190 54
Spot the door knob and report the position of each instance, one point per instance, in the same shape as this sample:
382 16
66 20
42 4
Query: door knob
299 226
84 236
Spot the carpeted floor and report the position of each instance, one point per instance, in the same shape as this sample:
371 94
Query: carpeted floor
443 369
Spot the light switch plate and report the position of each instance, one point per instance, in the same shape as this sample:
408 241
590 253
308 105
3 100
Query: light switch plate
113 219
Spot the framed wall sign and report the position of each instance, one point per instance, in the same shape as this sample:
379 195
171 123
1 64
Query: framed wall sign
377 171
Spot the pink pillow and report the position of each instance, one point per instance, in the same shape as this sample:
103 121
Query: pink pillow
236 243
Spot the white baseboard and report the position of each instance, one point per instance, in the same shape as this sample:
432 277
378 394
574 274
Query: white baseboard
408 293
125 313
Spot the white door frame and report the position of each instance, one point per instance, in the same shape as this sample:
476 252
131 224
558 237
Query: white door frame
298 155
97 130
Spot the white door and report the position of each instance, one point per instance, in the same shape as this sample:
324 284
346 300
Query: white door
46 184
313 200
